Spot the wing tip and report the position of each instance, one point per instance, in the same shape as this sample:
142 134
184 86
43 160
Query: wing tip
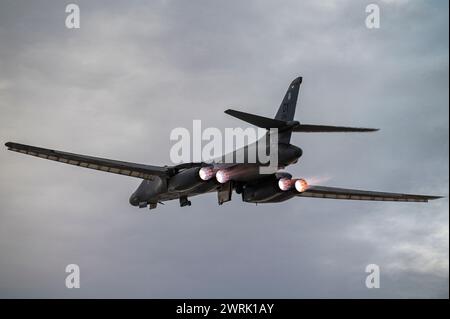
434 197
10 145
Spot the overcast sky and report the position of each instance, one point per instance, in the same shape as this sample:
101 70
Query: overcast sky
117 86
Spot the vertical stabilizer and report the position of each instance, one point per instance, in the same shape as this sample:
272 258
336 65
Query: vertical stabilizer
286 111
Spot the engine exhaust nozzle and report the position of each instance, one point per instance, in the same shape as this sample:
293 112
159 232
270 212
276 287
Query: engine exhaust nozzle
222 176
286 184
301 185
206 173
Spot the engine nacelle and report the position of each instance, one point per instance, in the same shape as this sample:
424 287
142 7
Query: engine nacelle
258 193
185 180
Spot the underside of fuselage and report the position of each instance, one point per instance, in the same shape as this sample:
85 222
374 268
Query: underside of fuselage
233 171
158 190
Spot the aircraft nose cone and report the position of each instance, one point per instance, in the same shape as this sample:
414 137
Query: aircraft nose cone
134 201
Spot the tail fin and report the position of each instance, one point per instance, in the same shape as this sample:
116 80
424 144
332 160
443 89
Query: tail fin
286 111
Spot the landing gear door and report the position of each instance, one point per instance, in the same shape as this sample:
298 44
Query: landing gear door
224 193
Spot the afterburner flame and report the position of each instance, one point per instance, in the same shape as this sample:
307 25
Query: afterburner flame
222 176
301 185
317 180
206 173
236 173
286 183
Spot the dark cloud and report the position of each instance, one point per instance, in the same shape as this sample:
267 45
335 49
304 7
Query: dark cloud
117 86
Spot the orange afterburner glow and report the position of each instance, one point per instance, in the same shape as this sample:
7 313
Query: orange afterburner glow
301 185
286 184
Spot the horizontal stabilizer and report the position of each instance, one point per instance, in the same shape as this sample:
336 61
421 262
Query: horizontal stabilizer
259 121
267 123
308 128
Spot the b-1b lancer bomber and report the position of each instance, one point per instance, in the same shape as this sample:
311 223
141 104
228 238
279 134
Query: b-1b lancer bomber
183 181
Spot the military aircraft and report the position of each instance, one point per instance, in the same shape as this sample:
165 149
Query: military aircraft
182 181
